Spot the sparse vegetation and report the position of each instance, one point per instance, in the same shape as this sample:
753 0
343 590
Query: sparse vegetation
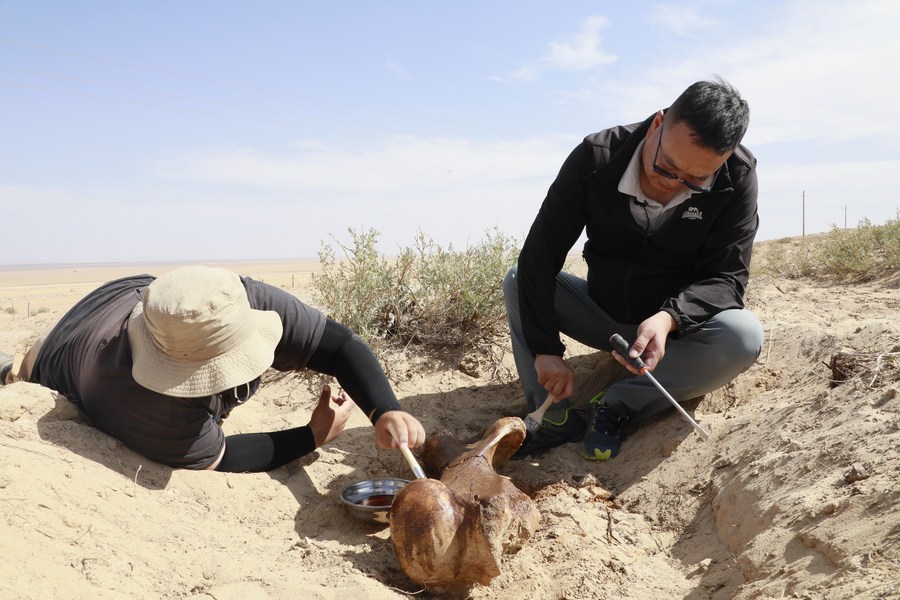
441 300
844 255
433 297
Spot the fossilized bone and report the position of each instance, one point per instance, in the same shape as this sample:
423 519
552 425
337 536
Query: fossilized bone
453 531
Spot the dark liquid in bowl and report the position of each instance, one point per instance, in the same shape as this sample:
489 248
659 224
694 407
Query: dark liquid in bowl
379 500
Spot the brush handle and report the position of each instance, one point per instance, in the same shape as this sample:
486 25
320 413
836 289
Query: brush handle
538 414
407 453
411 461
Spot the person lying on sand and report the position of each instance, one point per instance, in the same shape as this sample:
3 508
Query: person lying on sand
158 363
669 209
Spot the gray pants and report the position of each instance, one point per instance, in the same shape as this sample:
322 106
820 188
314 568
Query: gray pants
727 345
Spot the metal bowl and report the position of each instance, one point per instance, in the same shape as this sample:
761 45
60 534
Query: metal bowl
370 500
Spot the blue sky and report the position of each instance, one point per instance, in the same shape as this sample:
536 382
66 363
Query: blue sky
190 131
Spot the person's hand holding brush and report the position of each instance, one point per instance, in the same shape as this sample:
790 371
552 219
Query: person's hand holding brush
555 375
558 378
406 430
414 432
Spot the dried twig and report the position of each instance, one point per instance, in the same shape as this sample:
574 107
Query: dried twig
878 365
609 532
404 591
769 346
17 447
574 520
135 478
86 531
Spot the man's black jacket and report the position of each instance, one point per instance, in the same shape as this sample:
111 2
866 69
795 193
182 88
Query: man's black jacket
694 266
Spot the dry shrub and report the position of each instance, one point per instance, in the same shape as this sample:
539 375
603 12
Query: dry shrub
436 298
868 366
844 255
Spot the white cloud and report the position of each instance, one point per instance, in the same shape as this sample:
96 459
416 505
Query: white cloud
396 68
583 50
395 165
817 72
681 20
822 90
580 52
526 74
242 203
819 75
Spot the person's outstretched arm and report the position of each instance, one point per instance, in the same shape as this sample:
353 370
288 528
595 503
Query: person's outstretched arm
349 359
258 452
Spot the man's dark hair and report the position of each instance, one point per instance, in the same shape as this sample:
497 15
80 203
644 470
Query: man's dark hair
716 113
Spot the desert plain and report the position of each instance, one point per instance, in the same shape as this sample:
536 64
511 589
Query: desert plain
795 495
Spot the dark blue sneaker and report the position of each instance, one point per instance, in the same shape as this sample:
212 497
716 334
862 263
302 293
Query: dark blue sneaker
6 364
561 424
604 436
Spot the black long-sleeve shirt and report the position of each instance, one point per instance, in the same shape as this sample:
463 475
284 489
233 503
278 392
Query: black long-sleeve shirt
87 358
694 266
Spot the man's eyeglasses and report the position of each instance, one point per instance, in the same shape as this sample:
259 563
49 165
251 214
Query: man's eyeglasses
664 173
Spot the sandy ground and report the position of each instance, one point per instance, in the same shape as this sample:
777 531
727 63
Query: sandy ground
795 495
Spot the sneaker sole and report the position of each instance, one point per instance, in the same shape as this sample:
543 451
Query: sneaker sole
598 455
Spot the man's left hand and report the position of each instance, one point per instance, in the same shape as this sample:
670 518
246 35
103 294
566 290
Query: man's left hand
330 415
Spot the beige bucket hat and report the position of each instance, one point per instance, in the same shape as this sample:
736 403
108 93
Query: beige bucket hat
194 334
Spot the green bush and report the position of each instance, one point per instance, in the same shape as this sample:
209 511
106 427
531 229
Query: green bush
864 252
860 254
785 259
436 297
850 253
362 290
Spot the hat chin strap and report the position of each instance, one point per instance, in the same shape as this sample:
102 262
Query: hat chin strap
237 395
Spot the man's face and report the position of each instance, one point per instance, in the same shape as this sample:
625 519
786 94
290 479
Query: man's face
675 152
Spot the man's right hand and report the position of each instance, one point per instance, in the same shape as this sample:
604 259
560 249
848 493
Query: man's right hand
407 427
555 375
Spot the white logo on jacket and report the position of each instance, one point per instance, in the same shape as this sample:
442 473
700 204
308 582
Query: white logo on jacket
692 212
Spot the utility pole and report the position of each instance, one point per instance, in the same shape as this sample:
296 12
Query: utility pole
803 225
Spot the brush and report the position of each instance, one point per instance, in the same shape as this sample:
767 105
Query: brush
407 453
533 419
